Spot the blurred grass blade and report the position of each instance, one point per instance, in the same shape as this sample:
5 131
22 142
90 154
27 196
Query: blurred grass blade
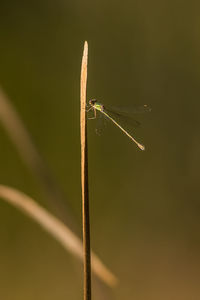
29 154
56 228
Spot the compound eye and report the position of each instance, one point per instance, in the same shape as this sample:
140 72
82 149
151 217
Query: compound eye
92 101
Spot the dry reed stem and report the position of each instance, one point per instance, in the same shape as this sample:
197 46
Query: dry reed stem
84 179
56 228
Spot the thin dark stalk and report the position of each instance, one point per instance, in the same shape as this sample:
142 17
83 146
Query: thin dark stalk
84 179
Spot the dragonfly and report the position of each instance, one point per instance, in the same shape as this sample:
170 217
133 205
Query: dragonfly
107 112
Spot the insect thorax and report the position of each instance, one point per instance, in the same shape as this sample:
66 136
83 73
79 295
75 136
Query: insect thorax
99 106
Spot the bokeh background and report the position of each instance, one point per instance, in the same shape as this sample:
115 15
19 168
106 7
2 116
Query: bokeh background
145 206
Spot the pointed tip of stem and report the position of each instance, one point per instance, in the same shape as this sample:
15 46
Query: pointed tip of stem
85 48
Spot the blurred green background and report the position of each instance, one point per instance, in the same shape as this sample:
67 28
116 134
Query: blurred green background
145 206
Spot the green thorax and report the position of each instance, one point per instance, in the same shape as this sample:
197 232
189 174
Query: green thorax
98 106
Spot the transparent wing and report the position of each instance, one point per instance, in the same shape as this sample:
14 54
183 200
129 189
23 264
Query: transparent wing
100 123
124 119
122 115
129 110
98 119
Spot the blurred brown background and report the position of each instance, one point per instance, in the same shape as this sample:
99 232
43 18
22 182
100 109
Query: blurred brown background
145 206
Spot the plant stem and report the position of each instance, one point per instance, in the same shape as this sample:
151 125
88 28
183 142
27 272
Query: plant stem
84 179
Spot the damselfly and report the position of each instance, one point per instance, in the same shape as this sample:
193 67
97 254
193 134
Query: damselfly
107 112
